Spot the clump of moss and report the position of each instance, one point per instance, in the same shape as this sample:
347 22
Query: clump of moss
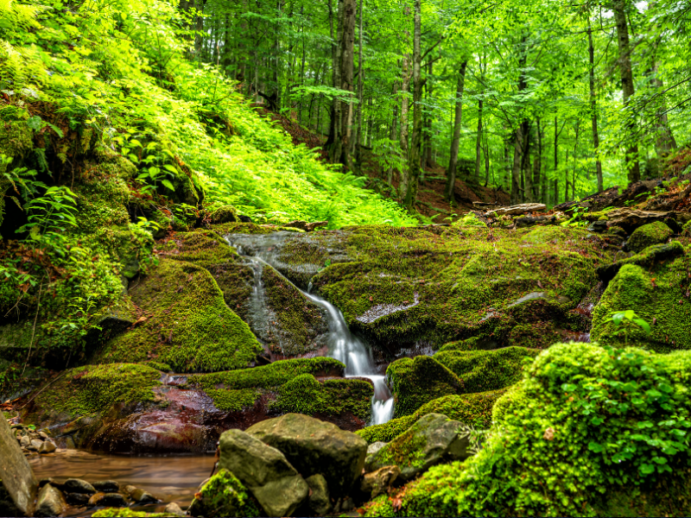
651 234
187 323
233 400
551 454
471 409
94 389
470 220
480 371
224 495
415 381
224 214
658 295
126 512
304 394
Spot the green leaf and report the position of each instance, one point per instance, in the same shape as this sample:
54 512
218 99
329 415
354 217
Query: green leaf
168 184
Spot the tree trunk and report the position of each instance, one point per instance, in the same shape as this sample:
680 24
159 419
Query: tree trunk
526 169
427 136
627 88
478 141
516 193
556 160
593 108
334 119
414 165
486 153
664 143
358 150
405 84
392 131
456 139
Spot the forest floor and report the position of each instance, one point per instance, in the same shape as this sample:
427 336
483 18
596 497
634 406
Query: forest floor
431 201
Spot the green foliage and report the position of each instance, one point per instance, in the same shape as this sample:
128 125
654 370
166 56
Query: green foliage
224 495
590 421
624 318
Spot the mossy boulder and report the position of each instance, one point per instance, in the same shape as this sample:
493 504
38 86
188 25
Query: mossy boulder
224 214
651 234
589 431
185 323
224 495
286 322
417 381
659 294
432 439
473 410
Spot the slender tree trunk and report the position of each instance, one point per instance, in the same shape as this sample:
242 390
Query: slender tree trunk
392 130
342 143
478 141
544 195
405 85
358 151
486 153
414 165
664 142
526 169
334 119
627 88
456 139
575 160
556 161
516 193
427 136
593 108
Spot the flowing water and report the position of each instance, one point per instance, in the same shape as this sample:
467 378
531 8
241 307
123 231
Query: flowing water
261 250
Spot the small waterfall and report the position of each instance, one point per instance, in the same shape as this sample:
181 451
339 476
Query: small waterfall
347 348
343 345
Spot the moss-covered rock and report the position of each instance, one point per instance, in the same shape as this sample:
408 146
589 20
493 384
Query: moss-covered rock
432 439
224 495
651 234
474 410
422 379
224 214
659 294
185 323
94 389
126 512
416 381
552 453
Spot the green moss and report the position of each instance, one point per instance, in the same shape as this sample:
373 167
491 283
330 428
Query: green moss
470 220
268 376
471 409
224 495
159 366
659 295
224 229
406 450
188 325
415 381
304 394
466 284
480 371
589 431
224 214
651 234
233 400
94 389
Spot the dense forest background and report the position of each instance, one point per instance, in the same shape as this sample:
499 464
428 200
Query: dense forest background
549 100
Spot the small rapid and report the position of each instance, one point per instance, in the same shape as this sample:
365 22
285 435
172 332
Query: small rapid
342 344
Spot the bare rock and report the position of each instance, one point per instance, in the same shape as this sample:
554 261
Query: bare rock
174 509
18 485
319 502
107 486
76 485
50 502
47 447
378 482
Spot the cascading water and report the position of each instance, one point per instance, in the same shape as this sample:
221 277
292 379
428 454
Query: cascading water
343 345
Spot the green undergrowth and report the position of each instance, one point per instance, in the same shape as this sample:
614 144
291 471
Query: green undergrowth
126 512
659 294
94 389
481 284
187 323
587 428
471 409
113 85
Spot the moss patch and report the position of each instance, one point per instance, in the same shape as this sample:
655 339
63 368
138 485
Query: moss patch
471 409
659 294
126 512
94 389
188 325
224 495
651 234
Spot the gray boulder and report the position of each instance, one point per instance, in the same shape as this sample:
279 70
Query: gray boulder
319 502
50 502
431 440
76 485
313 446
264 470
